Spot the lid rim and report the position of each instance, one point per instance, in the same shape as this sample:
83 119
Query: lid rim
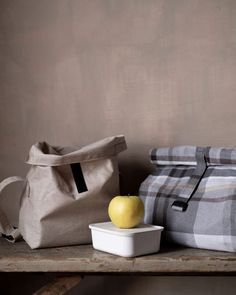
150 228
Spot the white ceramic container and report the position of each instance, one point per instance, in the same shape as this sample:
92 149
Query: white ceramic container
141 240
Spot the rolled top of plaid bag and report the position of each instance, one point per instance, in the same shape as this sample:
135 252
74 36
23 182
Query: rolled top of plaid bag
186 155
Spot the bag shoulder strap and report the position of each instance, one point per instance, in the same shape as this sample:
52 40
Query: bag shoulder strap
6 229
185 196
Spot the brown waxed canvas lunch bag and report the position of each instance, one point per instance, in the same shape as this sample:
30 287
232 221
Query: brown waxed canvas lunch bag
65 190
192 193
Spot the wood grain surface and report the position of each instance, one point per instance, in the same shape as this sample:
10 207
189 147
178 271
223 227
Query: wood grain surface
59 286
85 260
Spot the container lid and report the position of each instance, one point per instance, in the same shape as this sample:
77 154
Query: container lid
109 227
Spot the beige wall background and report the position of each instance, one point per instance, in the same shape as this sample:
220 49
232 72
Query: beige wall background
161 72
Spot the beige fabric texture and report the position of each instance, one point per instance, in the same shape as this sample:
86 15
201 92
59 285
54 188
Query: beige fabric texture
6 228
52 211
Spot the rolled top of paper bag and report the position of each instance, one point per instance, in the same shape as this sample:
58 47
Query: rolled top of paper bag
44 154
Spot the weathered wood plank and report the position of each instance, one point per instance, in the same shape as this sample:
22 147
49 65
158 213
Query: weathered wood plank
59 286
84 259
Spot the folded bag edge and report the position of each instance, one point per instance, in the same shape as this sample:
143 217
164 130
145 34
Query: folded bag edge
109 146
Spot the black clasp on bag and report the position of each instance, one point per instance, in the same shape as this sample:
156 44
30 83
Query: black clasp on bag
181 204
79 178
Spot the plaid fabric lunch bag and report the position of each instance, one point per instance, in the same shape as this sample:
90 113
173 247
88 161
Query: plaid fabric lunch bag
192 193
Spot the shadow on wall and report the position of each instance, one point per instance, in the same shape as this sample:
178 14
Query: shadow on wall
132 174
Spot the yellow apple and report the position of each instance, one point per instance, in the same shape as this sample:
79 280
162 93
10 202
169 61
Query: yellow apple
126 211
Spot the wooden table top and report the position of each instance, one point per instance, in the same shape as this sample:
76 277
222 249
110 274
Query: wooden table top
176 260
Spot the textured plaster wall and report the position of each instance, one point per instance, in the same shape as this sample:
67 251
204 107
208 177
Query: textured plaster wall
161 72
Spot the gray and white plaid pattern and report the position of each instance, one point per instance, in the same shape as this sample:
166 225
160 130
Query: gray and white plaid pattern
210 220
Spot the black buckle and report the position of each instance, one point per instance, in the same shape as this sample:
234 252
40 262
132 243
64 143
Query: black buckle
179 206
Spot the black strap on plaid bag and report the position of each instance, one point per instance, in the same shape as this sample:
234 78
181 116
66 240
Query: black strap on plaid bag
181 204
